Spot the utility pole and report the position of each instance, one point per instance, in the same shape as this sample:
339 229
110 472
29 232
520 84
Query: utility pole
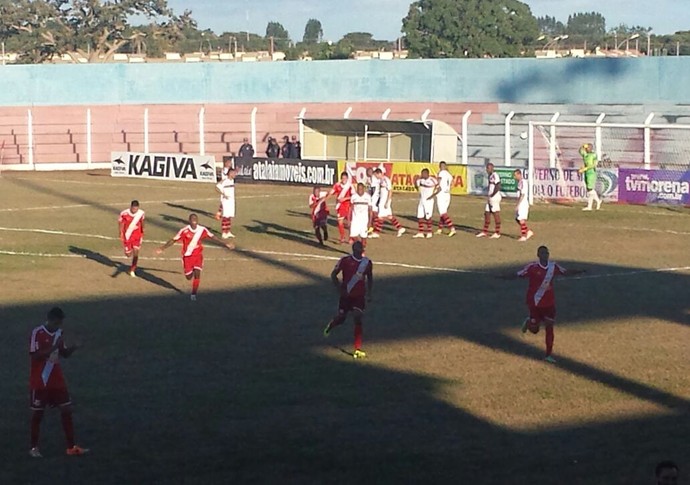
271 50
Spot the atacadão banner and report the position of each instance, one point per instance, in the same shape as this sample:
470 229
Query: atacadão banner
403 175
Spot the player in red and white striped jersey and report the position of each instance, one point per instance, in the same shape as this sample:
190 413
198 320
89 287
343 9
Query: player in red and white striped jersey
541 300
355 290
46 381
343 191
131 227
191 237
319 213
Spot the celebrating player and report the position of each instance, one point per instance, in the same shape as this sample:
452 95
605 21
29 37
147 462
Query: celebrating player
358 281
442 193
47 383
590 161
541 300
361 215
225 171
319 214
493 204
375 191
131 227
522 207
385 206
226 189
426 186
192 250
342 191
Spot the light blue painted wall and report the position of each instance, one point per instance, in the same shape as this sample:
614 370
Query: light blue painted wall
576 81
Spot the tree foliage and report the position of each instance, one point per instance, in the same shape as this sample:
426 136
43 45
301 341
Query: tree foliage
469 28
550 26
313 32
586 26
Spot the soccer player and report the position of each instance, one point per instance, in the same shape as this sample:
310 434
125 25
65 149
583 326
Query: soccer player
227 168
522 207
355 289
541 300
361 215
590 161
343 192
319 214
426 185
47 383
192 250
375 191
493 204
442 193
385 206
131 228
226 189
666 473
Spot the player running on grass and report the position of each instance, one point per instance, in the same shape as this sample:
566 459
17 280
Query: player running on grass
131 229
522 207
47 383
193 250
385 206
442 193
319 214
426 185
541 300
493 204
589 158
355 290
360 215
342 191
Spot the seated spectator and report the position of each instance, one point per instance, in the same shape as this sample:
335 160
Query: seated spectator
273 149
296 148
246 150
286 151
666 473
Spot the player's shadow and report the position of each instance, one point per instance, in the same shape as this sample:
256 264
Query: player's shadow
120 268
195 210
292 234
175 219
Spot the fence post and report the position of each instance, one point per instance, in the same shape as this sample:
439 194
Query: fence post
89 141
252 126
648 141
386 114
465 146
598 137
146 130
507 155
347 113
366 142
202 132
552 141
530 162
426 114
30 139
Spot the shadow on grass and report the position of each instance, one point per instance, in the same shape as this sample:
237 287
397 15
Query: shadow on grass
200 212
291 234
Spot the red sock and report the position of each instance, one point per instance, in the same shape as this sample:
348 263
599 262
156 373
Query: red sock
341 229
421 225
135 261
497 220
195 285
36 418
429 225
358 335
523 228
226 224
395 223
339 320
487 222
448 222
68 428
549 339
378 225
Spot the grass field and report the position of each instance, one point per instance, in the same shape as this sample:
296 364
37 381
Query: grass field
241 387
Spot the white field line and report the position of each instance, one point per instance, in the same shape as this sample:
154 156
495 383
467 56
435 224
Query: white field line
81 182
143 202
631 273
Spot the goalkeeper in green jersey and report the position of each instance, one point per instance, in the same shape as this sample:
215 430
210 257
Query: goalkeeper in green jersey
590 170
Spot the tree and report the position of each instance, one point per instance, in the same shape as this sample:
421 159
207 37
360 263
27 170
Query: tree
589 26
469 28
550 26
313 32
279 34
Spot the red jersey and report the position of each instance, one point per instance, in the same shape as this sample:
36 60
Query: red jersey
191 240
319 209
46 373
343 192
354 273
132 224
540 290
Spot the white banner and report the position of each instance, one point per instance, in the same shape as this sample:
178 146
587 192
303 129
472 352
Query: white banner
164 166
568 184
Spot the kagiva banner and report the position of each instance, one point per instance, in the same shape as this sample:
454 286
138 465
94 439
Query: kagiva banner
190 168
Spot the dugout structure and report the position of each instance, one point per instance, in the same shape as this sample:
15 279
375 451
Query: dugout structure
379 140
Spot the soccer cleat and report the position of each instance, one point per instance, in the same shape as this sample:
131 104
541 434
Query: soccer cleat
529 235
482 234
549 359
522 239
327 330
452 233
77 451
599 205
495 236
419 235
525 324
401 231
428 235
587 209
359 354
440 231
193 298
374 235
35 453
228 235
132 274
370 230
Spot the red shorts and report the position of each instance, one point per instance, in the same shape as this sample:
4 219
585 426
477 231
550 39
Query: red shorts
132 243
43 398
344 210
541 314
192 262
350 303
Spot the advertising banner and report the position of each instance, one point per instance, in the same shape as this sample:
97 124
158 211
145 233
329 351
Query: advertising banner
568 184
403 175
287 171
478 180
639 186
161 166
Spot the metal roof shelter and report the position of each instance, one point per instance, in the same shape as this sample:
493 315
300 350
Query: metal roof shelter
379 140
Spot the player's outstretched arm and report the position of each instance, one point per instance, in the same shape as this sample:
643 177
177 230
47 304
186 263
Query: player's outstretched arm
165 246
508 276
574 272
67 351
228 246
334 278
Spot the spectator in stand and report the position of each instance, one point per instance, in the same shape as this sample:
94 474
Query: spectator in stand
296 148
666 473
246 150
286 151
273 149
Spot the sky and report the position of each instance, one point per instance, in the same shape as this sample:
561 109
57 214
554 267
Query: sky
383 18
